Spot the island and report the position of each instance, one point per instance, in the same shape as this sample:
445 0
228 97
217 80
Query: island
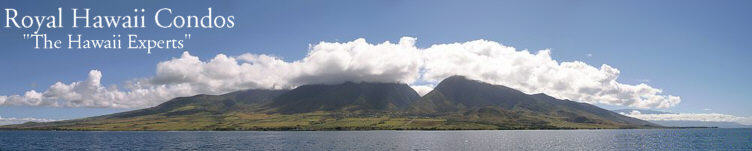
456 103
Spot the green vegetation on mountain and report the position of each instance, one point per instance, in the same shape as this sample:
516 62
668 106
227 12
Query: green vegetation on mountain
456 103
347 98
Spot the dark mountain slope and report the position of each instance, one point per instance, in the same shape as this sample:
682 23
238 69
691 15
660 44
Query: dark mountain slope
349 97
235 101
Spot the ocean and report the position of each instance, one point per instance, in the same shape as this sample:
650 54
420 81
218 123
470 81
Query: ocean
622 139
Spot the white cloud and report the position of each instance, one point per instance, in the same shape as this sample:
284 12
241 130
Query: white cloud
12 120
704 117
91 93
422 89
357 61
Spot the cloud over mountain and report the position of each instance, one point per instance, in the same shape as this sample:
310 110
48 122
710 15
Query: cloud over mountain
494 63
358 61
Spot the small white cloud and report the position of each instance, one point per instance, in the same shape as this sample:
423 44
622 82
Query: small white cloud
707 109
589 55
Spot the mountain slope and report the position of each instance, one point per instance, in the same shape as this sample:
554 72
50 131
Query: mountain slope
349 97
480 101
245 100
190 113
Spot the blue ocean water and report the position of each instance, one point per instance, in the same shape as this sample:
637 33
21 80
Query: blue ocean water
639 139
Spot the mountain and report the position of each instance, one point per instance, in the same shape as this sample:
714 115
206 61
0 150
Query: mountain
348 97
198 112
482 102
247 100
456 103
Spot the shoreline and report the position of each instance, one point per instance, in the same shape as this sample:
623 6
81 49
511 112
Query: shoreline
303 130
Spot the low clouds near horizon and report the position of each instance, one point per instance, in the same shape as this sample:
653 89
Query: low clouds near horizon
357 61
702 117
13 120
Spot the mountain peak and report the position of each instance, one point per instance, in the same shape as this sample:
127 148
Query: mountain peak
459 94
457 78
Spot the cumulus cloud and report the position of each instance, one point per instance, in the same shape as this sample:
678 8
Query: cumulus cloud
704 117
12 120
91 93
357 61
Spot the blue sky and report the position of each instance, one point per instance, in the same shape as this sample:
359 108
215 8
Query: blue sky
697 50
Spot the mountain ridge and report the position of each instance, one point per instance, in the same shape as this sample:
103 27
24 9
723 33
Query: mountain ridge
367 97
458 93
